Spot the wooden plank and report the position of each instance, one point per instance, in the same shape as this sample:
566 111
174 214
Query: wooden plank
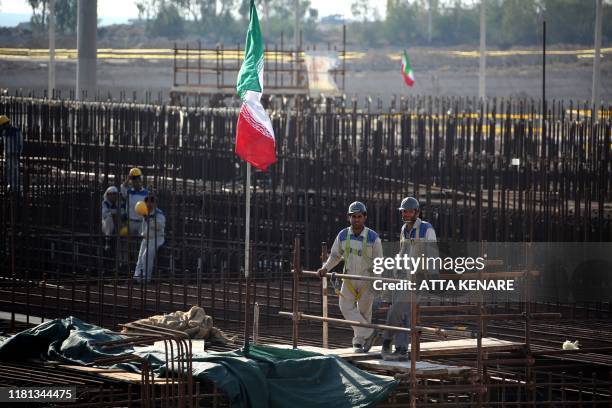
433 348
116 374
91 370
122 376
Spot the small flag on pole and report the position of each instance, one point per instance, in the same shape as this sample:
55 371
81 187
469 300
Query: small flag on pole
406 70
254 134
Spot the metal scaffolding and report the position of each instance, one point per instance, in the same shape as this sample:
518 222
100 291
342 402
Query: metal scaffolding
330 152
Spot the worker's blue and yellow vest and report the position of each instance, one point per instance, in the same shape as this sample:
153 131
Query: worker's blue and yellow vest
420 232
343 237
415 234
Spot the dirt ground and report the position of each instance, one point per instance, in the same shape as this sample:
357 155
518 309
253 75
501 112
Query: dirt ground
375 74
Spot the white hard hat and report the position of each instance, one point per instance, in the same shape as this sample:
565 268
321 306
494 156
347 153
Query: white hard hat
357 207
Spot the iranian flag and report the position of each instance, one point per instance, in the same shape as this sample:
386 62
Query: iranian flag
254 133
406 70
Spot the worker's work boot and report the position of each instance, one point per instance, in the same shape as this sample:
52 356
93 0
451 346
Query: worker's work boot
386 348
370 341
358 348
400 354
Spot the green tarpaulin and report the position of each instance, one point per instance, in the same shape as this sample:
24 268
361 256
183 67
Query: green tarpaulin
263 377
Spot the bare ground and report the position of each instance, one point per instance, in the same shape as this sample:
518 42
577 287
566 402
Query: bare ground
568 77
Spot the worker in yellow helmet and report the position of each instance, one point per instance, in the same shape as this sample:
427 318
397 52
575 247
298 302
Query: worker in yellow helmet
132 191
153 225
13 145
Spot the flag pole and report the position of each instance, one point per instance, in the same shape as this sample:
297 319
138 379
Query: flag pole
247 224
254 139
247 256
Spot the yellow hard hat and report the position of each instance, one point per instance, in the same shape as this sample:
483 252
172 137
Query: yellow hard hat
135 172
4 120
141 208
123 231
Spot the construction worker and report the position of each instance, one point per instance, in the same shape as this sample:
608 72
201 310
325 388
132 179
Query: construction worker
133 191
13 145
417 237
110 219
153 225
110 205
357 246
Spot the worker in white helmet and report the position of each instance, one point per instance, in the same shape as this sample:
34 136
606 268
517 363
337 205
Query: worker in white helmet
152 231
110 215
357 246
133 191
13 145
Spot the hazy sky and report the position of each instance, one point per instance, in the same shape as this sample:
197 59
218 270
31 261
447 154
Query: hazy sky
127 8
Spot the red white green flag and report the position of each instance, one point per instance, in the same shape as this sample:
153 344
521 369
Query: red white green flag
254 134
406 70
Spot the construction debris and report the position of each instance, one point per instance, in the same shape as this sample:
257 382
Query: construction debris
569 345
194 322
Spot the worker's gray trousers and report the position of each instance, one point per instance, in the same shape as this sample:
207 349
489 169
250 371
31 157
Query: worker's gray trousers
398 315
